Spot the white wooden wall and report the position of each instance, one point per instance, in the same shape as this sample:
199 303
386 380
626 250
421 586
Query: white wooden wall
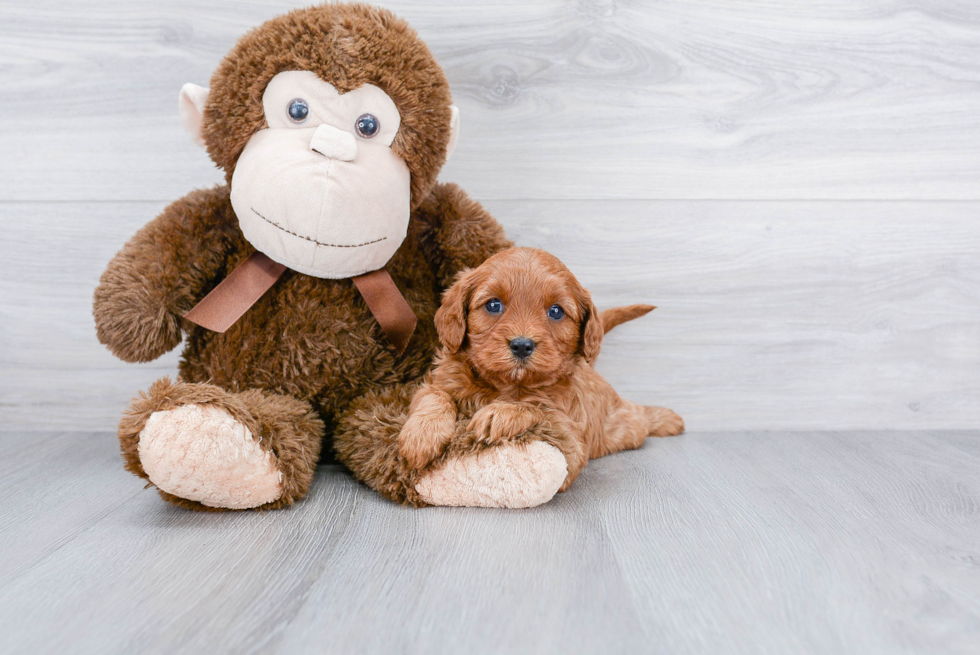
794 184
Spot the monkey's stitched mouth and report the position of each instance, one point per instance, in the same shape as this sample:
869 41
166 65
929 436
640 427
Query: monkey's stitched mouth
328 245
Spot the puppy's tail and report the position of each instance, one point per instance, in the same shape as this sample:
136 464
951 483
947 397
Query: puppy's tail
613 317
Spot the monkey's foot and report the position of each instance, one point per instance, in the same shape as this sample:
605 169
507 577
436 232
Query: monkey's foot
201 453
512 475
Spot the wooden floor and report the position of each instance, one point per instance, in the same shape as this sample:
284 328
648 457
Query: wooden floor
864 542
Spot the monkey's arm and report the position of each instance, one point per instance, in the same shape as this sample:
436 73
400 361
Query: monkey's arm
458 232
161 273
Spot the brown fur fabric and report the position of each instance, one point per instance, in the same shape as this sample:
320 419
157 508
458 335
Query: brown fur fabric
347 45
309 338
309 344
505 390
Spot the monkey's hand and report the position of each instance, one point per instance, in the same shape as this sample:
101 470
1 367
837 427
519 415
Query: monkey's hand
131 318
430 426
160 274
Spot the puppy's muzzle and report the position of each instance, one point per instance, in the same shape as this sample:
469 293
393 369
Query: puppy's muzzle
522 347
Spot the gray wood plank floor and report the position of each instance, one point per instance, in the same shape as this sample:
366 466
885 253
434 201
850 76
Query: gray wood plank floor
860 542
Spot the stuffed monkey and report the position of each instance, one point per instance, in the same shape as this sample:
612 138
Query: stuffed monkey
306 285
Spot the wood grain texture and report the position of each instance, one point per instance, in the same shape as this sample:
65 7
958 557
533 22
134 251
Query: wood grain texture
877 99
55 487
771 315
863 542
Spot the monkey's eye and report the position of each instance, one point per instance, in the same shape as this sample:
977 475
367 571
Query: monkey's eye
367 125
494 306
556 313
299 110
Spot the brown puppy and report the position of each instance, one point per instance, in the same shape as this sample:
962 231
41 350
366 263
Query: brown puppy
519 336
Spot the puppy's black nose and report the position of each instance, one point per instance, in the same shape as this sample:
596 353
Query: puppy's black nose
522 347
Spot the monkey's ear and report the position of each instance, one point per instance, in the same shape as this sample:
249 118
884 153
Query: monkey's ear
451 316
192 99
453 131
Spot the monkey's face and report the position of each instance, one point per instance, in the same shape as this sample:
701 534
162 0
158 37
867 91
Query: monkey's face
320 189
331 123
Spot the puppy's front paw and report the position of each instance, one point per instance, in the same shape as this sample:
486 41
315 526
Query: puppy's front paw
427 431
664 422
500 421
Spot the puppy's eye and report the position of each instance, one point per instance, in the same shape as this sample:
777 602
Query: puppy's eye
556 313
299 110
367 126
494 306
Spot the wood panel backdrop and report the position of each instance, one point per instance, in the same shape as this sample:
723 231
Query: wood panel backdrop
793 184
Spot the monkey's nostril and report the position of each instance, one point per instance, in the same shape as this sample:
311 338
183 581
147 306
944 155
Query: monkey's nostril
334 143
522 347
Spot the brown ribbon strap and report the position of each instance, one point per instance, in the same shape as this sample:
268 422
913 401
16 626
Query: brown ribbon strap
389 307
226 303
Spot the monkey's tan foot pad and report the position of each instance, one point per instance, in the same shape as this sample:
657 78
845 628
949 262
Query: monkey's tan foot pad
201 453
511 475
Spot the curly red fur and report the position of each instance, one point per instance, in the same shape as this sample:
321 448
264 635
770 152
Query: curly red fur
479 376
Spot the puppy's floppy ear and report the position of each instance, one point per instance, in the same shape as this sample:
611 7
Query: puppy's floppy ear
451 316
591 326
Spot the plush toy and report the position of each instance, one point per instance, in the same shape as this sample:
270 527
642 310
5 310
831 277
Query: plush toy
306 285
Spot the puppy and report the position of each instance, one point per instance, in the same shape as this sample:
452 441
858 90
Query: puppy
519 336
